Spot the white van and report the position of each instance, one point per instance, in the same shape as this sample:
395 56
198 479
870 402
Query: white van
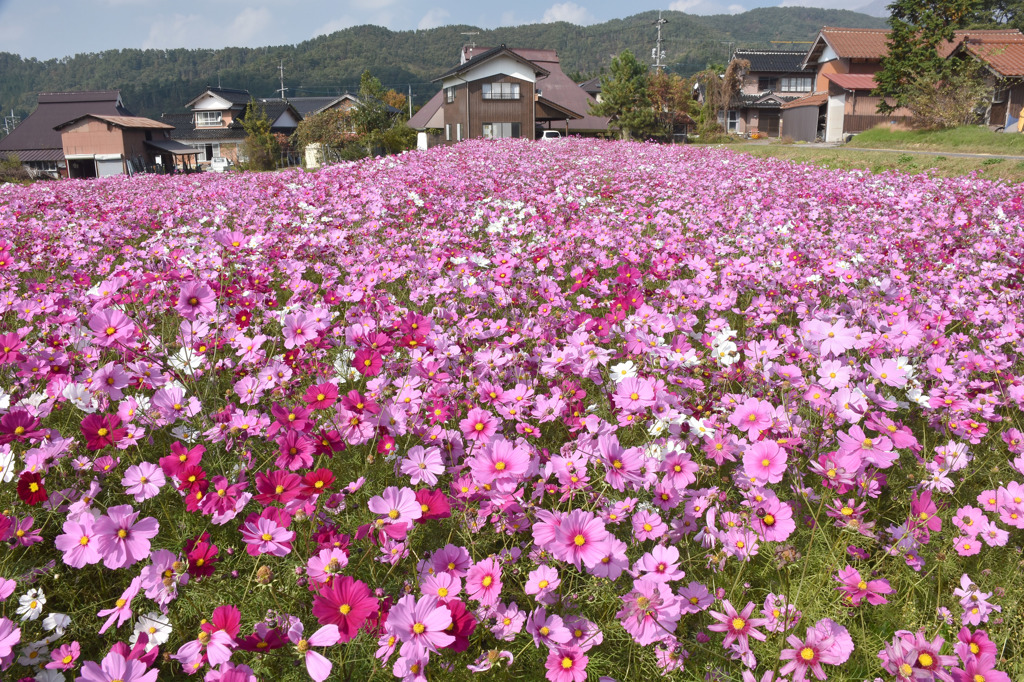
550 135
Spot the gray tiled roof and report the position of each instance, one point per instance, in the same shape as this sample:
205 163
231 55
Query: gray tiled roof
772 61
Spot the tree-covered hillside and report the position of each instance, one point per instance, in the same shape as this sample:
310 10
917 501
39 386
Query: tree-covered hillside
156 81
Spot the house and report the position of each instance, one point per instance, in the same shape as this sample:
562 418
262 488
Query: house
845 61
593 88
502 92
96 145
316 154
1002 57
773 78
213 126
37 142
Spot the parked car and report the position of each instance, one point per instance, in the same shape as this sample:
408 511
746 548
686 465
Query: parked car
219 164
550 135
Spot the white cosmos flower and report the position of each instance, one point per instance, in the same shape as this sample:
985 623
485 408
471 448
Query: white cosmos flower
623 370
30 604
154 624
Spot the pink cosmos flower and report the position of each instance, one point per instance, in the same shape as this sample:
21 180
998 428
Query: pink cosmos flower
9 637
265 536
541 582
113 667
318 667
423 465
752 417
499 460
856 589
120 540
579 539
122 610
634 394
483 582
566 664
548 630
78 542
347 603
64 657
650 612
660 565
396 505
111 327
479 425
737 626
196 298
420 625
143 481
298 329
765 462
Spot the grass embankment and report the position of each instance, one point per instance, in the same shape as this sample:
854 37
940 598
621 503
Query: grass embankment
965 140
1008 170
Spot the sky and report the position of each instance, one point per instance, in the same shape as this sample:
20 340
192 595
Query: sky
45 29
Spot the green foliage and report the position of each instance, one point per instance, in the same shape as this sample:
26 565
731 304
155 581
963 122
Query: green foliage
331 128
971 139
948 99
918 28
261 147
626 98
12 170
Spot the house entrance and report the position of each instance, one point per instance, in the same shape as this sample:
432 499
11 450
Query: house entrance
769 123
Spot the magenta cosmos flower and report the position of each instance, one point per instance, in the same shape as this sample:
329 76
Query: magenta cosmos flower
580 538
855 589
479 425
566 664
347 603
765 462
420 625
499 460
737 626
752 417
120 540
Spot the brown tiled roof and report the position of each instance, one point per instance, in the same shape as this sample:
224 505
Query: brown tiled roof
1005 58
853 81
121 122
422 117
871 43
815 99
856 43
36 140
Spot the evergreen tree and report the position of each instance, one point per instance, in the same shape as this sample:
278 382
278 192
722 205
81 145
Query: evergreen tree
261 146
625 98
918 28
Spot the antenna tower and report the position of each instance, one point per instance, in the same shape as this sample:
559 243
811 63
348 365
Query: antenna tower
657 54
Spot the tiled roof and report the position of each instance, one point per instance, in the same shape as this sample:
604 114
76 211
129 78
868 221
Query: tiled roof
232 95
592 86
121 121
481 57
308 106
562 90
1005 58
764 100
422 117
853 81
857 43
37 132
772 61
815 99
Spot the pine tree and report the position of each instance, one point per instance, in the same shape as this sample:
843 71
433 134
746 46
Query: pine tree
919 27
625 98
261 146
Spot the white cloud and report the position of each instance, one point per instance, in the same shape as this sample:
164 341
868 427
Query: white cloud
684 5
333 25
180 30
568 11
248 26
737 9
433 18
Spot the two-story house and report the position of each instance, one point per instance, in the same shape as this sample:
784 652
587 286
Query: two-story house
213 124
773 78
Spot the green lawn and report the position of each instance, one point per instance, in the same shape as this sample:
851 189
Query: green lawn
1008 170
966 139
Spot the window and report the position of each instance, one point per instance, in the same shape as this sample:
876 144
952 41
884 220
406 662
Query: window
501 90
458 132
495 131
43 166
206 151
447 132
734 121
208 119
767 83
796 84
449 95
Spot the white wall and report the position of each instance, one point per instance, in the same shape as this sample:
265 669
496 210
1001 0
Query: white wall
495 67
834 118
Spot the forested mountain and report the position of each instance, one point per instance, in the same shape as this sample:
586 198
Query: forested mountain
156 81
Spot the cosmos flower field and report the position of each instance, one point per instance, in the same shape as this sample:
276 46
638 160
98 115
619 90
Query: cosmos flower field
583 410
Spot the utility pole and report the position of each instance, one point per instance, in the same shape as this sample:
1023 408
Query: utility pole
282 90
657 54
410 100
10 123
